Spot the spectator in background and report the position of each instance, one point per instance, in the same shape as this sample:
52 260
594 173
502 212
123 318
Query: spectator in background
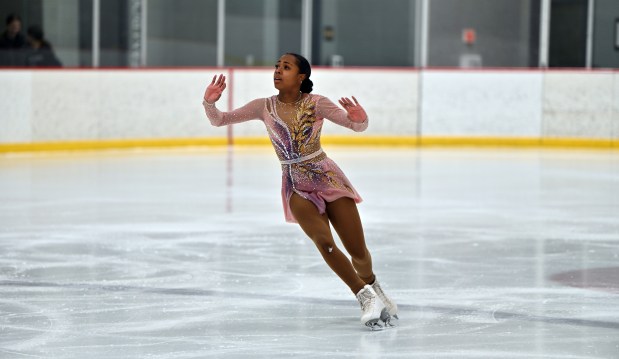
40 53
12 42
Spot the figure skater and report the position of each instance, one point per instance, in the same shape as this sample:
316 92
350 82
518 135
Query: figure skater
315 192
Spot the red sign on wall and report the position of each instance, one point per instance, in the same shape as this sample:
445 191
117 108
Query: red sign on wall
469 36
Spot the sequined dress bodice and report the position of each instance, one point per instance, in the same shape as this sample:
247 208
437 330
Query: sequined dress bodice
298 137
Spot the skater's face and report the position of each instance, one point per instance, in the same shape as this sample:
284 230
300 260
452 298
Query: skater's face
286 75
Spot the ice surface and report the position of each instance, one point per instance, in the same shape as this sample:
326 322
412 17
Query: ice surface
185 254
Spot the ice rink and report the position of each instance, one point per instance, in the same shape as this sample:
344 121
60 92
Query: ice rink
490 253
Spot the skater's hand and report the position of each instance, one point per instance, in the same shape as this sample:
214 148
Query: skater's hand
356 113
214 90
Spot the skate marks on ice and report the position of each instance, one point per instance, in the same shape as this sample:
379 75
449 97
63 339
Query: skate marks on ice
490 254
135 321
409 310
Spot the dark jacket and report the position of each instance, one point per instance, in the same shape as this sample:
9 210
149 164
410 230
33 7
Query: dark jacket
12 50
41 57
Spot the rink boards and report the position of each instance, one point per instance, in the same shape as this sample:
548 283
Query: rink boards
47 109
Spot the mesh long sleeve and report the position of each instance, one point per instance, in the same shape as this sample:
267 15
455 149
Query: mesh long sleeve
252 110
325 108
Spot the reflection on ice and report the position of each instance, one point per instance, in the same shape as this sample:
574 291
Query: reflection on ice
179 254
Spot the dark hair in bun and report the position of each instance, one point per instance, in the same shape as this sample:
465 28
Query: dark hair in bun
306 69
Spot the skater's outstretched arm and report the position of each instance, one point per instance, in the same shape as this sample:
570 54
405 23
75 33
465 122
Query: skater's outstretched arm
353 116
252 110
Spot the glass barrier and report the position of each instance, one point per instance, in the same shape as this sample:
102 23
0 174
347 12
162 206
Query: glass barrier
605 29
259 31
181 33
445 33
45 33
364 33
484 33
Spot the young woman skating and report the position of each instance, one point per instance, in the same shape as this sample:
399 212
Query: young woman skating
315 192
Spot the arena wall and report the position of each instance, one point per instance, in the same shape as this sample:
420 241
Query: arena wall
405 105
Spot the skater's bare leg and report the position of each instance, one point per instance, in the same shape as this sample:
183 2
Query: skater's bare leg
345 219
316 226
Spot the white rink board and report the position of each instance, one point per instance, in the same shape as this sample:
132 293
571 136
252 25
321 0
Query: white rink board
578 104
249 85
73 105
388 96
67 105
15 106
155 105
615 133
86 105
501 103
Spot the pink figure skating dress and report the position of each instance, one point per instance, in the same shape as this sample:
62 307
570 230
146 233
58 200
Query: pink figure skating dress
306 169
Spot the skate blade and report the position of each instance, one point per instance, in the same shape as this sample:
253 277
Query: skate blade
394 315
374 324
388 324
385 317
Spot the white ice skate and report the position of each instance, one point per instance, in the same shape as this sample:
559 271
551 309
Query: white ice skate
392 308
373 311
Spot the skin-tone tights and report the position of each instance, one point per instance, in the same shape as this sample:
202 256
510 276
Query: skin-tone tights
344 217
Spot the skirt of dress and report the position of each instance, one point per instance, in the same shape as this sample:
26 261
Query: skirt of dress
319 182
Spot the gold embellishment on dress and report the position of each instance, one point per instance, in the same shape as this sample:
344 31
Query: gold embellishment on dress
315 173
301 128
303 138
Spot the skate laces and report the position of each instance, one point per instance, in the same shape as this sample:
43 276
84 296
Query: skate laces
366 300
379 292
377 288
